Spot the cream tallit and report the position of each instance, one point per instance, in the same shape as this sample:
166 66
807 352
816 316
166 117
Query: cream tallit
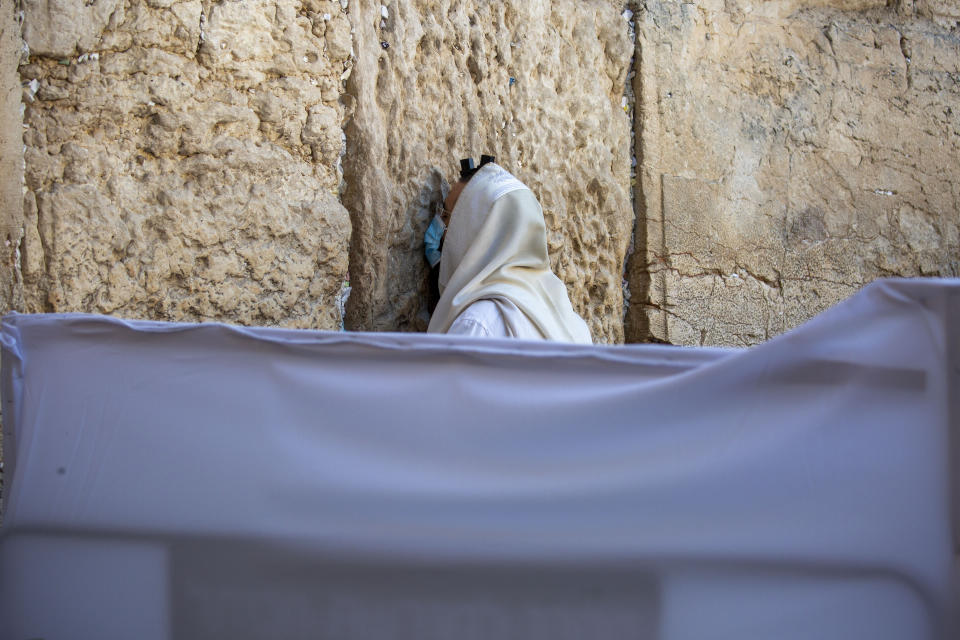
496 249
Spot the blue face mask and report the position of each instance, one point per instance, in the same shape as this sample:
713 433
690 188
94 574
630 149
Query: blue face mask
431 241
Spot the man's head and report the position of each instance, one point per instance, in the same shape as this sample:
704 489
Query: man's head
451 200
467 169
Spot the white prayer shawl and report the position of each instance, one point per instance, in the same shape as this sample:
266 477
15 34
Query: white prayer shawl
496 249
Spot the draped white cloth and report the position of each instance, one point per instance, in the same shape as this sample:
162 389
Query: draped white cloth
210 481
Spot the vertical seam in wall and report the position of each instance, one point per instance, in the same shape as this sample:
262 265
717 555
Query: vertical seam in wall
663 255
355 315
631 96
637 316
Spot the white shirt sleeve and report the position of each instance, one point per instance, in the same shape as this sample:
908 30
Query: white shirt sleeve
482 318
494 319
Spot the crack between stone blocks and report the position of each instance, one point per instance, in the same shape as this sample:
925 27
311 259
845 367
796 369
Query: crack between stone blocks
833 51
47 258
740 273
815 279
352 316
661 308
202 37
666 261
630 95
905 52
663 247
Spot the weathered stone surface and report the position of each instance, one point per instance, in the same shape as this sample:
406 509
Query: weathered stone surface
183 157
787 156
185 167
539 85
11 158
945 13
63 28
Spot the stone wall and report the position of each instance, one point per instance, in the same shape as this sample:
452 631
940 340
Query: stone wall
789 154
197 160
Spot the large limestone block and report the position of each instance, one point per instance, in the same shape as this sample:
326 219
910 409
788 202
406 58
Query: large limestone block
187 169
539 85
11 159
787 156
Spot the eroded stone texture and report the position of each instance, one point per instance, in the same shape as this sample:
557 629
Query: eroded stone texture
11 159
63 28
182 157
945 13
788 155
182 160
539 85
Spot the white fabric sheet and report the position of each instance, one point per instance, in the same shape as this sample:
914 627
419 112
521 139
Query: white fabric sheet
208 481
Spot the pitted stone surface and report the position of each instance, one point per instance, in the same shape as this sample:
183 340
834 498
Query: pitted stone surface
11 158
539 85
183 158
182 161
787 156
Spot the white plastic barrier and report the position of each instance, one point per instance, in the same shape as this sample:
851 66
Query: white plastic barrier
210 481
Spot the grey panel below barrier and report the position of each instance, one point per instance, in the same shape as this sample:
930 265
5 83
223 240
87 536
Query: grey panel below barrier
177 481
